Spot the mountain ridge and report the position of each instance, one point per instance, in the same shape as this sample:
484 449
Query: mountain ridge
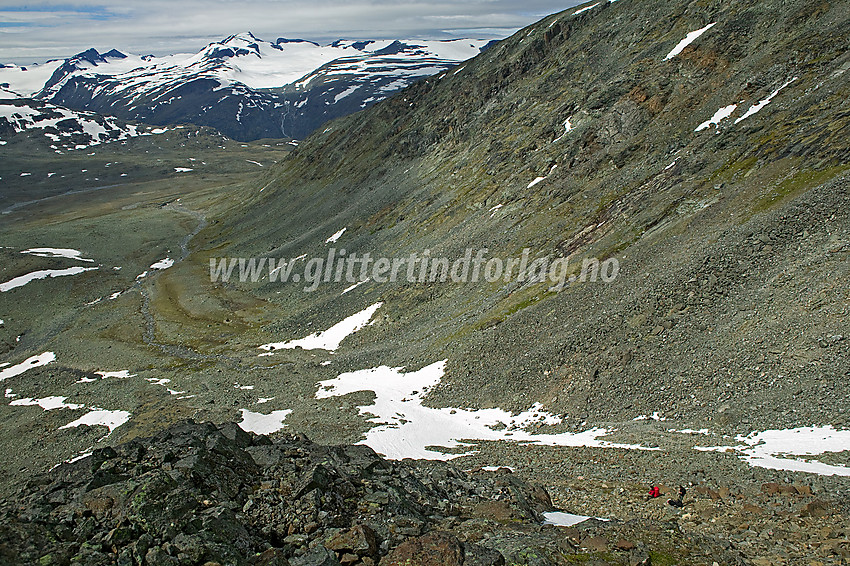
238 85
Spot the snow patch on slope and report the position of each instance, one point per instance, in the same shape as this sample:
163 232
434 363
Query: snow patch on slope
67 253
331 338
41 274
100 417
755 108
28 364
259 423
776 449
406 428
333 239
718 117
690 38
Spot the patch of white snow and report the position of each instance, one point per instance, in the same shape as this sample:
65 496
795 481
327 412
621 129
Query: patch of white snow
331 338
336 236
690 38
259 423
718 117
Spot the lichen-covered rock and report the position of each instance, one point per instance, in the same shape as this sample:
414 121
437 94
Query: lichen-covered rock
195 493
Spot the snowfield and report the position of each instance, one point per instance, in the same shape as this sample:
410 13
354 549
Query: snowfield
331 338
690 38
41 274
406 428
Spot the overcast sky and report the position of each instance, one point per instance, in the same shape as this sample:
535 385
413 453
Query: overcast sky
37 30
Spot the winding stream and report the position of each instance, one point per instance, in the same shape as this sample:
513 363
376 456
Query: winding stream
149 335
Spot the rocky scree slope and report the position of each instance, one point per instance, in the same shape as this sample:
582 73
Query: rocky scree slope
717 177
207 494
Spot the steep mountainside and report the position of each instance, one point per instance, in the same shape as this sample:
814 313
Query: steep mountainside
697 149
702 145
238 85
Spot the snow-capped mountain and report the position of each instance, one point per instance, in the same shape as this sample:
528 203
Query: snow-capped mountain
65 129
243 86
353 82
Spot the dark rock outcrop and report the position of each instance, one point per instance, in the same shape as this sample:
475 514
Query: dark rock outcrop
205 494
199 493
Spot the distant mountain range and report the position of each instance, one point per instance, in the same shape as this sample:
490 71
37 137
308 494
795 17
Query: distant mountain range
245 87
63 128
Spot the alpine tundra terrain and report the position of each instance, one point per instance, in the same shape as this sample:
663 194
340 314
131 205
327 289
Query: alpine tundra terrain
703 146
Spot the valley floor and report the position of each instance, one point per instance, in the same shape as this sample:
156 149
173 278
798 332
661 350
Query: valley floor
144 339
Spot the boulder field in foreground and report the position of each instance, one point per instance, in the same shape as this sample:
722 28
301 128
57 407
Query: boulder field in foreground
199 493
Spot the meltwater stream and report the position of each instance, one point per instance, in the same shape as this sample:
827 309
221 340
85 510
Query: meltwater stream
149 335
